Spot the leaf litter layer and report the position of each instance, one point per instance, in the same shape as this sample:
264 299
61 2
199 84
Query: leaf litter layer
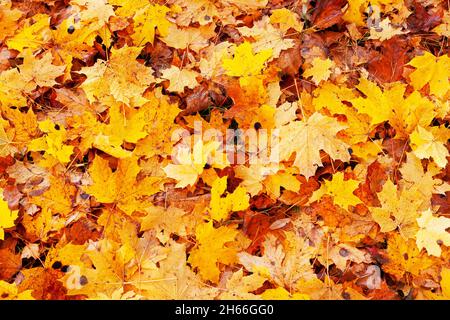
110 191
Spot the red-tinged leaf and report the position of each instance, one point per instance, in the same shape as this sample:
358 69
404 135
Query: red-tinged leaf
423 19
10 261
388 66
5 162
197 101
290 60
327 13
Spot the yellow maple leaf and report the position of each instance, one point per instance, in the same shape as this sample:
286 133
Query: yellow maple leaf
342 261
159 117
25 124
330 96
404 257
125 125
33 35
73 44
102 273
241 287
98 11
254 175
189 165
179 281
356 9
267 37
245 63
179 79
86 128
126 8
432 232
8 19
122 186
16 84
9 291
119 294
286 19
121 78
425 146
445 283
432 70
307 138
12 88
320 70
414 175
376 100
212 249
43 224
221 205
274 183
404 114
191 11
58 198
211 66
7 218
6 139
194 38
384 30
340 190
292 257
285 113
248 5
170 220
282 294
398 209
53 142
68 254
38 72
146 20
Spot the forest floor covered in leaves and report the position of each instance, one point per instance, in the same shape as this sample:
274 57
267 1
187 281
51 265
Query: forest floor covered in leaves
229 149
